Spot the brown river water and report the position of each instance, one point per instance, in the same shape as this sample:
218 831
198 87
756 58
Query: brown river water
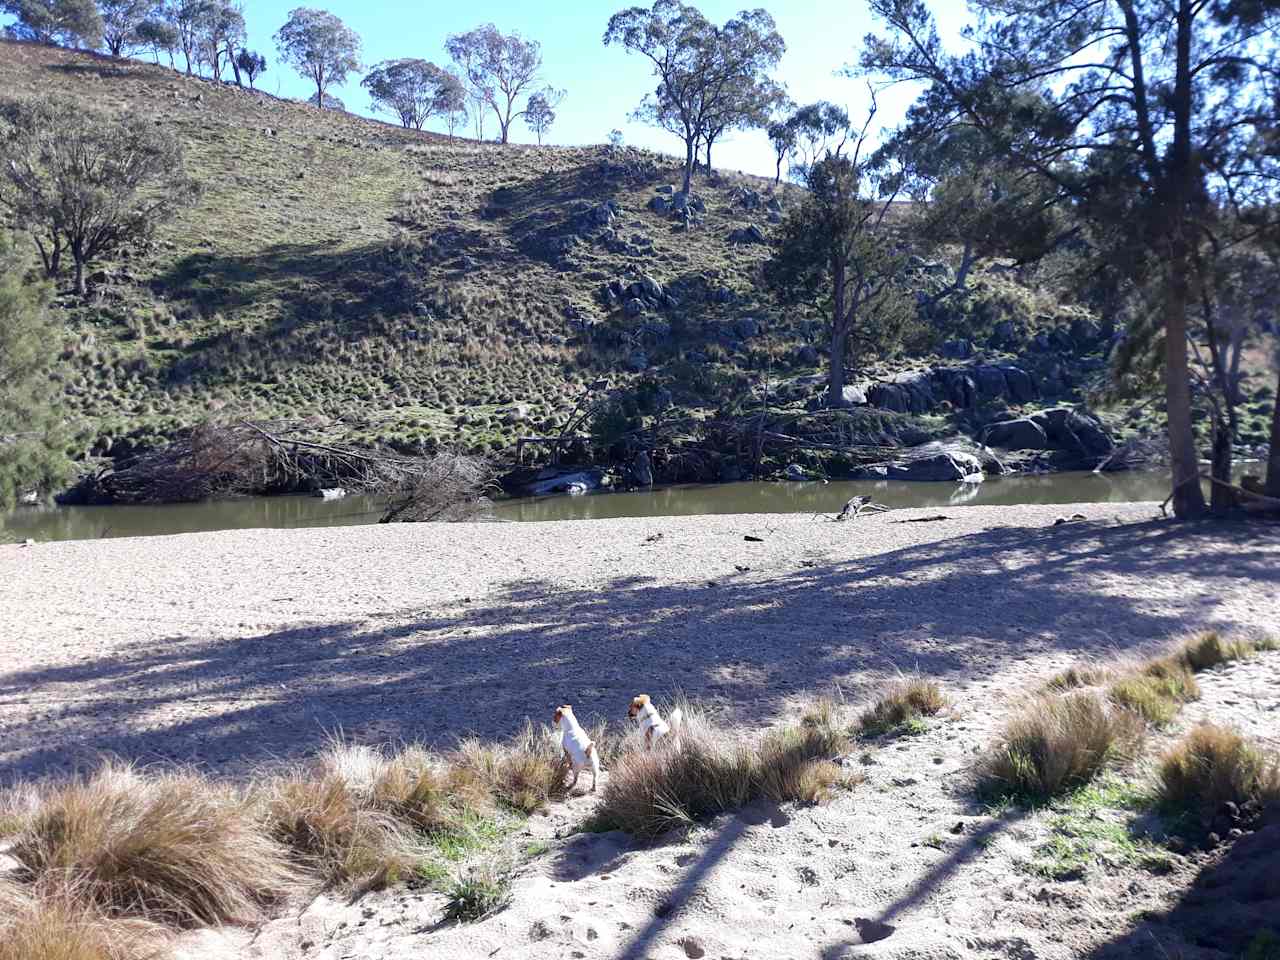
89 523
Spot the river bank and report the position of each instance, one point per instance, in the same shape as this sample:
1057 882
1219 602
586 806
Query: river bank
809 497
228 647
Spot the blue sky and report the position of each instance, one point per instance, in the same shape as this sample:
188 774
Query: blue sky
604 84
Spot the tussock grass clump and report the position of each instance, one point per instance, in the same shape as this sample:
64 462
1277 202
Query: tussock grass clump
902 707
1057 743
60 927
1210 649
795 760
330 825
1081 675
524 773
478 892
172 847
706 771
436 798
1213 765
1158 692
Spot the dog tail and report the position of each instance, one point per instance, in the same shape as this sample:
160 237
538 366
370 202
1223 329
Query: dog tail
675 720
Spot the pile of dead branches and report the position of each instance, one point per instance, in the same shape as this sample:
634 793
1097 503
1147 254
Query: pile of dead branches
244 458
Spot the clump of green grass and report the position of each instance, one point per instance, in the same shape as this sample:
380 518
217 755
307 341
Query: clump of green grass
903 707
1057 743
1081 675
1210 649
1096 824
1158 692
478 891
172 847
1214 765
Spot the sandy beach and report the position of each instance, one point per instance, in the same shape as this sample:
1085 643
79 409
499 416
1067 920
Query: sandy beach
225 648
228 649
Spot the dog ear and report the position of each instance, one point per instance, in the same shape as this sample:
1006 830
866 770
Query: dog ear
558 714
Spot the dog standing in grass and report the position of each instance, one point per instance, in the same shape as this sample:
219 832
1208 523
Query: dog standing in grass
651 722
578 748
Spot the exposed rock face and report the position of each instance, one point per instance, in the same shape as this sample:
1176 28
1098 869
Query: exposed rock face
749 234
1020 434
905 393
1063 429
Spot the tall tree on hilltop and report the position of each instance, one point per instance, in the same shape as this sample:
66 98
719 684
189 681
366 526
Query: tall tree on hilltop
499 68
541 112
413 90
679 41
32 459
224 32
121 20
1137 110
710 79
64 22
320 47
251 64
160 36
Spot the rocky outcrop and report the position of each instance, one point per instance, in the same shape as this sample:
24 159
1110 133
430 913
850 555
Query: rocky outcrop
1020 434
938 462
1073 433
905 393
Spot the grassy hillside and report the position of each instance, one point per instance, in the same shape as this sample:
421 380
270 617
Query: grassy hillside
404 287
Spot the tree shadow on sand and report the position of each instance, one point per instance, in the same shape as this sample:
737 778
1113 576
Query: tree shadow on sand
960 610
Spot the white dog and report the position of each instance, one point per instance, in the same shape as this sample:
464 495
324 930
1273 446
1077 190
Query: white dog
651 722
578 748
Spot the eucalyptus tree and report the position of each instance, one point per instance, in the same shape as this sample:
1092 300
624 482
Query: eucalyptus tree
1147 115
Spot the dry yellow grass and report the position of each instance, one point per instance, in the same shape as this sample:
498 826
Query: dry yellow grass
706 770
329 824
902 707
523 773
1056 743
1213 765
172 847
62 927
1082 675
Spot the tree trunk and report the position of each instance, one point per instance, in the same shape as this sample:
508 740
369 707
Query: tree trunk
81 288
1221 498
690 158
839 338
1273 459
1188 497
709 142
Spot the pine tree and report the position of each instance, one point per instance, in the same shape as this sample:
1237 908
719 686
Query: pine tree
31 454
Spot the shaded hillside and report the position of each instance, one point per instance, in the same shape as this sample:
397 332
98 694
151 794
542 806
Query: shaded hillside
405 287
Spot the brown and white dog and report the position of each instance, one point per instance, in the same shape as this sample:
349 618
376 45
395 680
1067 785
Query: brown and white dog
578 748
651 722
